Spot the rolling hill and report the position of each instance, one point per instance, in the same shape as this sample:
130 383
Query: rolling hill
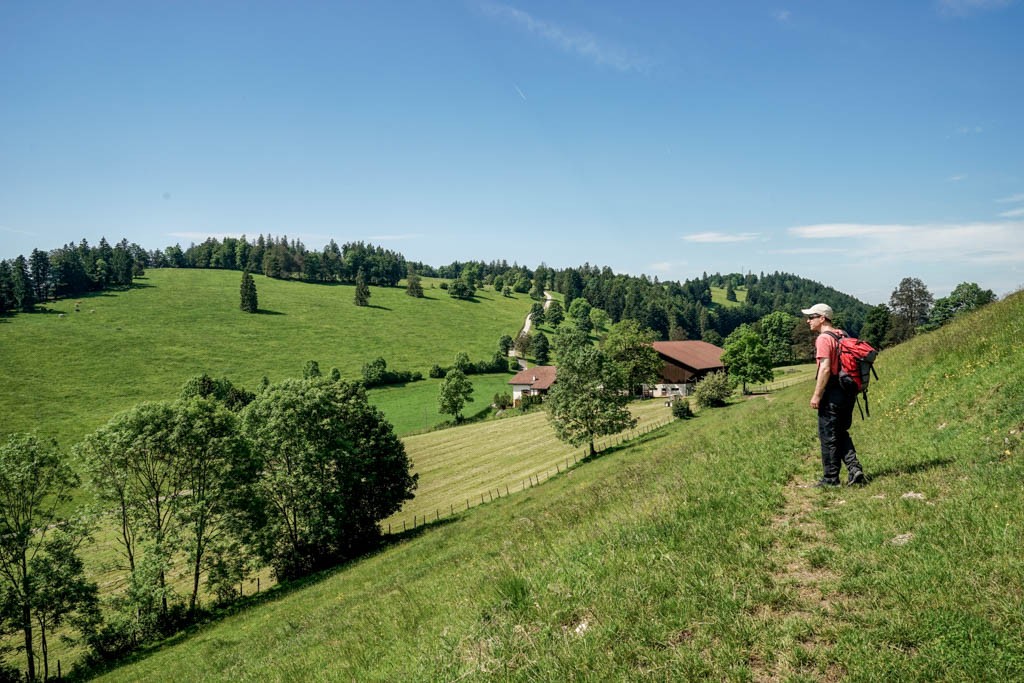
699 552
65 376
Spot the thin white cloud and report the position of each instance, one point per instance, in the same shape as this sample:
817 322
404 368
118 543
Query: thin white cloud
580 43
992 242
782 16
957 178
1012 213
720 237
519 91
16 232
1012 199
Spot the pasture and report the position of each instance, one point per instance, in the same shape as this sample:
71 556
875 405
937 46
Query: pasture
63 377
699 551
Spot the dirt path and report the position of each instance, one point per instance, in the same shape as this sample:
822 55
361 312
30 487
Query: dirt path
527 324
807 586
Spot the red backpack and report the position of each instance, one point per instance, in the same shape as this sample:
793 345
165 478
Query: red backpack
856 365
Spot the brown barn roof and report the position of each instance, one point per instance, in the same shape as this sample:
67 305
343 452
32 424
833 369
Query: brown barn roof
540 377
699 355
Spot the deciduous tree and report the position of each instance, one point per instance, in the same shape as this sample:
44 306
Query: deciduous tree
746 357
35 483
910 303
331 469
629 346
455 392
587 400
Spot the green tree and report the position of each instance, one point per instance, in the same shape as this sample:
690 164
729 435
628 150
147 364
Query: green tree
460 289
730 293
218 476
331 468
132 461
746 357
311 370
876 327
587 400
505 344
462 363
362 295
776 331
554 314
967 296
629 346
599 319
39 262
910 304
24 297
249 300
541 347
414 284
579 311
61 591
523 344
713 390
537 313
455 392
35 484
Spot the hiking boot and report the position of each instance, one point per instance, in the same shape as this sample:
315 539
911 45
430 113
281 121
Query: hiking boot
856 479
826 484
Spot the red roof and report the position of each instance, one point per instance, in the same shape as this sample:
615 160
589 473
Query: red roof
699 355
540 377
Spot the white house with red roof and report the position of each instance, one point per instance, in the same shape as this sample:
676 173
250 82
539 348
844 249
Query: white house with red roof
532 382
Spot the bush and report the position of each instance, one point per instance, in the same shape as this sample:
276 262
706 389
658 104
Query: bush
503 400
376 374
681 409
713 390
437 372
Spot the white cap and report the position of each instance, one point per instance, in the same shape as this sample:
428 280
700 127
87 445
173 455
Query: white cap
824 310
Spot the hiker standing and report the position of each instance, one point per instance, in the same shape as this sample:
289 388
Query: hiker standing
833 403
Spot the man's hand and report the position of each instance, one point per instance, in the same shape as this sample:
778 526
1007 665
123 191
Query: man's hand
815 400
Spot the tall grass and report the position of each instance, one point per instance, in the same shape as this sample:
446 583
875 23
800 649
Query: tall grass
698 552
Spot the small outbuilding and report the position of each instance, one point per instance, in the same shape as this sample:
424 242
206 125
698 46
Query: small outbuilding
685 363
532 382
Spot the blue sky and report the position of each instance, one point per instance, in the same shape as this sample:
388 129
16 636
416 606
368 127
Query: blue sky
854 143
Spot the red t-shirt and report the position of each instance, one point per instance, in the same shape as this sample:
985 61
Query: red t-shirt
827 346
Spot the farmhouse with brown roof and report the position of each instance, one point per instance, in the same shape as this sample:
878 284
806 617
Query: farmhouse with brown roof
686 362
532 382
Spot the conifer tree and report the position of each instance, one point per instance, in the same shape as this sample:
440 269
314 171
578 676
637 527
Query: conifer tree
249 301
362 290
414 287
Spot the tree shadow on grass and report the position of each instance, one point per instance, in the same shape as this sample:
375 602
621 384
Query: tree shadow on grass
264 311
379 308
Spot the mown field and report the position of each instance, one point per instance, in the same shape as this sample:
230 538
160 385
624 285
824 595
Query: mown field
699 552
63 377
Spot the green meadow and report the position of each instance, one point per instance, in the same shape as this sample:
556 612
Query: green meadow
65 376
697 551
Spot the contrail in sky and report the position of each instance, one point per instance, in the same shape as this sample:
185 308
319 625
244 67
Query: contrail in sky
519 91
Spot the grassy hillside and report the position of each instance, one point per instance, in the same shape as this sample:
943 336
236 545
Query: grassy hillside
66 376
700 552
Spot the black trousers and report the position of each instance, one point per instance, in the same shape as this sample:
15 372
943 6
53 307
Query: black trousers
835 415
